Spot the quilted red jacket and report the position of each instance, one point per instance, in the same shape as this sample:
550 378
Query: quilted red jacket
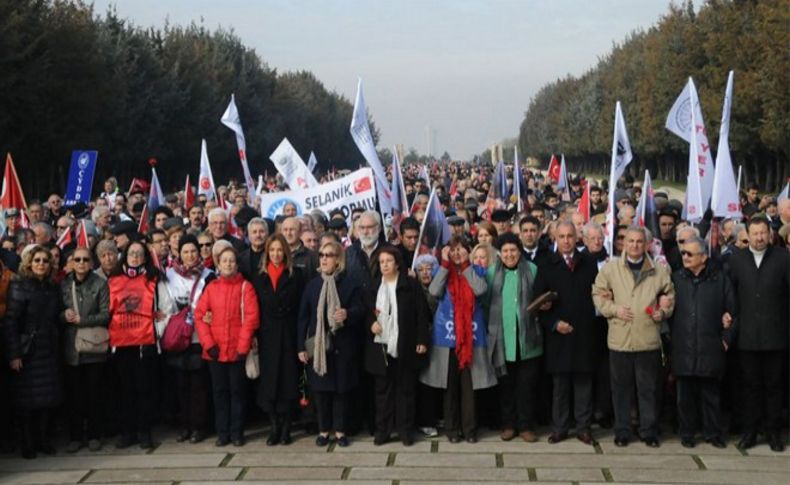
224 298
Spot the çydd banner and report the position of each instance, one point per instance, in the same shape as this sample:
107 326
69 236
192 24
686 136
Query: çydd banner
354 190
83 165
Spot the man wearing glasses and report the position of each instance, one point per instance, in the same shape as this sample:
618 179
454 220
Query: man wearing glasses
702 332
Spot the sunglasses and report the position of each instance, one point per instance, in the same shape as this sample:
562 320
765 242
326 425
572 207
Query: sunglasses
205 245
41 260
688 254
81 260
681 241
327 255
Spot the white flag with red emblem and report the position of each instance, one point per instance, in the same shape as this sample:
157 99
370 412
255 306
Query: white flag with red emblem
291 166
725 201
621 157
231 119
206 180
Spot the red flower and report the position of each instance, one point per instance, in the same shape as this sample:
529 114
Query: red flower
303 403
649 310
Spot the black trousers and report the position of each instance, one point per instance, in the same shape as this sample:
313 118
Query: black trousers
697 394
137 374
602 387
580 386
193 389
229 384
428 405
635 370
518 395
33 425
763 381
459 399
395 399
332 411
84 391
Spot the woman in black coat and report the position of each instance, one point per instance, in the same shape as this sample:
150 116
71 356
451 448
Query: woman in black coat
279 288
396 347
334 347
31 337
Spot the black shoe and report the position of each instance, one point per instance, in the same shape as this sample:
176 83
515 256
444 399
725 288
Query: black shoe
407 439
620 442
285 433
273 439
342 441
197 437
688 442
46 448
380 439
776 443
125 441
321 440
183 436
238 442
28 454
222 441
605 422
716 442
652 442
748 440
454 437
146 443
471 438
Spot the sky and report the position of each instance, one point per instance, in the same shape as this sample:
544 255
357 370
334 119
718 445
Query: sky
464 70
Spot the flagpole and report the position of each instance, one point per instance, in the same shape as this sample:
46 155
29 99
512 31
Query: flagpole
422 229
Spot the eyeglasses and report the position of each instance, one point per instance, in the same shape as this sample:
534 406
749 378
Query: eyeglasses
81 260
41 260
681 241
205 245
688 254
327 255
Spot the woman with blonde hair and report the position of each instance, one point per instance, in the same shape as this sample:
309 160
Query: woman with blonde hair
483 255
278 286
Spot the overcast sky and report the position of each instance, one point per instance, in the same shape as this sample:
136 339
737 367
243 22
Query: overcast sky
466 68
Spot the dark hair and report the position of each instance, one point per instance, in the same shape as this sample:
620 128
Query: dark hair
149 237
529 220
596 189
330 235
409 223
757 220
507 238
458 241
151 273
188 239
162 209
392 251
754 187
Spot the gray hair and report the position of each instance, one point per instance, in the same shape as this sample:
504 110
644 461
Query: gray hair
591 226
98 212
44 226
693 229
106 246
699 242
641 230
375 215
257 221
217 211
737 229
565 223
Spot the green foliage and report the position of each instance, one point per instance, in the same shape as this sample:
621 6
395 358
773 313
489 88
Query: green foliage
647 71
74 79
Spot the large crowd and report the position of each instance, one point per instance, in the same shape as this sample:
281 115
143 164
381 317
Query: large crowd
338 323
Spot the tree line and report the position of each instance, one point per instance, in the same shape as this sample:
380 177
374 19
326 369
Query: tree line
75 79
647 71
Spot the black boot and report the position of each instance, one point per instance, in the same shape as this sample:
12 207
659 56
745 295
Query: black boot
285 431
274 435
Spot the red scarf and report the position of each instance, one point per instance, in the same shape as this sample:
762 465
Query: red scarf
463 300
274 273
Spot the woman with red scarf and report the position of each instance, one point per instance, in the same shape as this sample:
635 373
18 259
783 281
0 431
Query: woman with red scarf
459 356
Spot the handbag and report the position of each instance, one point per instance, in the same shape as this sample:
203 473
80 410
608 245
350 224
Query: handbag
178 333
89 340
309 345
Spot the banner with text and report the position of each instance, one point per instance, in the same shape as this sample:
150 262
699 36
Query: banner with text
354 190
83 165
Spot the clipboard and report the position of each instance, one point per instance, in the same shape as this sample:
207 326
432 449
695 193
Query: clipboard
540 300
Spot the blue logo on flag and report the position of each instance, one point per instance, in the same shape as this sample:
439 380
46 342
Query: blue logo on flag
83 165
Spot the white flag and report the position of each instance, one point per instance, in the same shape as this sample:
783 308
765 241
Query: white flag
679 122
312 162
291 166
517 180
360 132
424 176
621 157
724 200
231 119
784 194
695 202
206 180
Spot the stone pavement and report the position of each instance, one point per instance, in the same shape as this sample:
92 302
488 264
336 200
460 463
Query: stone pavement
428 461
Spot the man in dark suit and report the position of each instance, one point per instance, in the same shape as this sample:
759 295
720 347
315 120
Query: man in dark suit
529 233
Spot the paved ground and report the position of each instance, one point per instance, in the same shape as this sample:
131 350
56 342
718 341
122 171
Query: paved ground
428 461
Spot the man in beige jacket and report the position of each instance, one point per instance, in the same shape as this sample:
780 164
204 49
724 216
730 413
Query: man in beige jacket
627 291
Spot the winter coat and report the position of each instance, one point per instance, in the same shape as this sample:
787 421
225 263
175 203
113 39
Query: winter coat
93 300
224 298
279 364
616 279
697 330
34 306
413 329
344 358
180 289
763 298
306 260
578 351
483 373
5 279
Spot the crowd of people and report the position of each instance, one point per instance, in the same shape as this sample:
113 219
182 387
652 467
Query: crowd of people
521 320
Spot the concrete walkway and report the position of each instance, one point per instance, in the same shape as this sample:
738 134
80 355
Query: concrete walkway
428 461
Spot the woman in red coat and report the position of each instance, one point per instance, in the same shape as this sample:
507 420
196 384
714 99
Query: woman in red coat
226 319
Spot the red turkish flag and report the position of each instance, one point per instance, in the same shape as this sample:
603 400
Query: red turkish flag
554 169
584 203
189 195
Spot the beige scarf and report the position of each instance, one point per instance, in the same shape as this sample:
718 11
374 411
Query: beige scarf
331 300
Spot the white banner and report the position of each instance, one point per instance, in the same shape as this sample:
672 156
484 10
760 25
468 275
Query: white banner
312 162
621 157
231 119
206 179
360 132
725 201
695 200
354 190
292 167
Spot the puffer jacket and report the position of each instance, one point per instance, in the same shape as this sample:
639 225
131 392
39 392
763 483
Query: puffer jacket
34 305
697 330
93 301
223 297
616 280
